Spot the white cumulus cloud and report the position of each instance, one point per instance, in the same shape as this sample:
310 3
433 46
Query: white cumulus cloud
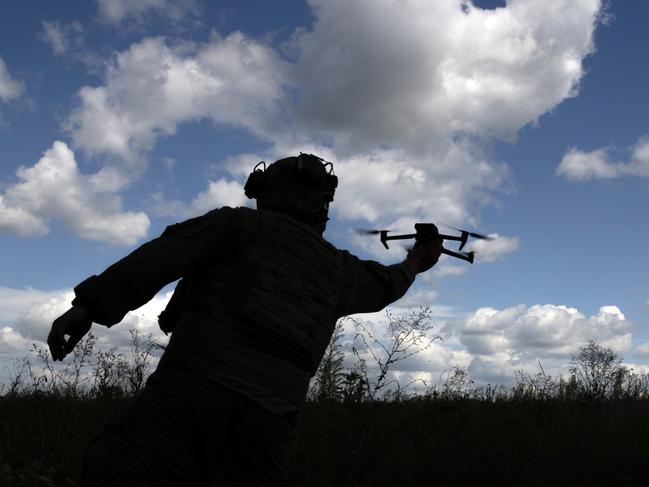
10 88
221 192
400 96
393 190
54 189
494 344
642 350
11 340
383 72
503 341
494 249
152 87
577 165
445 269
26 316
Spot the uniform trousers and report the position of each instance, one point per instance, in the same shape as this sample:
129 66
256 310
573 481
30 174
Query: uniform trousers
186 430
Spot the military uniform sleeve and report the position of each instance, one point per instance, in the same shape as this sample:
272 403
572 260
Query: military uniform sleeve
135 279
370 286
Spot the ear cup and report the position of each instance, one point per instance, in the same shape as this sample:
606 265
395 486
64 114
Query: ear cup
256 184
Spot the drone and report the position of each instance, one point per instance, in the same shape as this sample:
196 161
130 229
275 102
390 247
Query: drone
426 233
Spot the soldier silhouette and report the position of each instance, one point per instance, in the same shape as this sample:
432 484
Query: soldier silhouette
259 296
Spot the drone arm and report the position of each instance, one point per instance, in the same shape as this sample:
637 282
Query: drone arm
451 237
468 256
385 238
427 232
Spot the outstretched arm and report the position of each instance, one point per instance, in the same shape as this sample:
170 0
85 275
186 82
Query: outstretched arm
135 279
371 286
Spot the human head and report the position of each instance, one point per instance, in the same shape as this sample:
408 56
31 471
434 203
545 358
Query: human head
301 187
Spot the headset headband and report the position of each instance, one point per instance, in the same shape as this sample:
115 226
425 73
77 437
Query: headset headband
308 166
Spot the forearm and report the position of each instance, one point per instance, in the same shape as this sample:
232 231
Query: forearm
131 282
412 266
373 286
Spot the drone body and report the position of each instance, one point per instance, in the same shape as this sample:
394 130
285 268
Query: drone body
427 233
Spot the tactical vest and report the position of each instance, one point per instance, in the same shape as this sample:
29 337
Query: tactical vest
282 286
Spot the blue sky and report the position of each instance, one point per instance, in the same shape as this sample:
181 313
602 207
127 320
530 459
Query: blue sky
523 119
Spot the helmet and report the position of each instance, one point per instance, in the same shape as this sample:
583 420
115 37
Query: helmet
301 186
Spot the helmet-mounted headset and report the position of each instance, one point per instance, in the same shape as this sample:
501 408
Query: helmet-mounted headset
313 169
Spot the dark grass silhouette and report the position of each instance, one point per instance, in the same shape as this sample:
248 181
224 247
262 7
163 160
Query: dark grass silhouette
541 431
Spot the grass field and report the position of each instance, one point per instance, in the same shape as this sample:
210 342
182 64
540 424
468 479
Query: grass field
420 441
589 429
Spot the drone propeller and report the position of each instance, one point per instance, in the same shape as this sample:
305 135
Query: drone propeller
480 236
471 234
364 231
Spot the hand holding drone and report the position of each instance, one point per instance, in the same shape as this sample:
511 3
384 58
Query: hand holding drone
426 233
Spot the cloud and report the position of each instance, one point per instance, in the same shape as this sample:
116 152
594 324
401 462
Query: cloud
503 341
393 183
221 192
404 96
10 89
38 311
13 302
637 368
11 340
393 189
390 189
62 38
577 165
400 97
116 11
427 364
143 319
29 314
379 72
54 189
492 344
369 73
443 270
642 350
495 249
26 316
420 297
153 87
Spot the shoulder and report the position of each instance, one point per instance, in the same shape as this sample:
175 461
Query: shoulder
346 256
217 218
349 258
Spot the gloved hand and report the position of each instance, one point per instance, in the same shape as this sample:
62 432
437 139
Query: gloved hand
423 257
75 322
